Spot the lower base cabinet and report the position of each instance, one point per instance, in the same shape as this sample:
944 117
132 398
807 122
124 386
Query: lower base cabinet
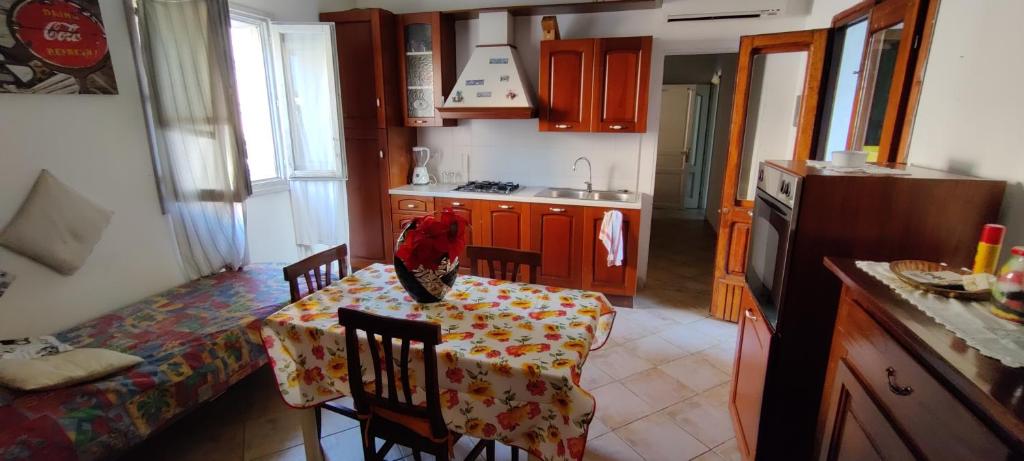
557 233
598 273
749 370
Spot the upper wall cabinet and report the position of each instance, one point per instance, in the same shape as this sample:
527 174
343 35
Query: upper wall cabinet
566 70
621 77
595 85
427 64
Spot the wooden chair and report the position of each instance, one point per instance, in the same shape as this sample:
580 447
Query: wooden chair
498 260
387 411
316 272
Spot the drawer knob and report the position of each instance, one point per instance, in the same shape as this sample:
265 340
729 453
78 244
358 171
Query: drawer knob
896 388
561 126
411 205
557 210
616 127
456 203
749 313
505 207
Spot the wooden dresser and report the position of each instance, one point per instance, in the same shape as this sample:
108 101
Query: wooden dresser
901 386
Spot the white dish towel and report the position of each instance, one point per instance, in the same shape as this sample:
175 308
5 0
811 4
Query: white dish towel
611 236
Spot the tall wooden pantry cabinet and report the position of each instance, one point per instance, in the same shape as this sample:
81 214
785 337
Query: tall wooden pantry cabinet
377 144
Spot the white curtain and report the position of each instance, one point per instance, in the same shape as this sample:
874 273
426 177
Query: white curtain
188 85
309 97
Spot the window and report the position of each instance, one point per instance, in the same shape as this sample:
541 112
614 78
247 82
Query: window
254 78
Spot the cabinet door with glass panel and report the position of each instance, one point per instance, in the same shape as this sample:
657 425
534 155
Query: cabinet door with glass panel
875 71
427 63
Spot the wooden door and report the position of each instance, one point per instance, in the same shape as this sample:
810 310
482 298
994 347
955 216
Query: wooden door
774 117
557 233
505 224
598 275
857 429
369 234
360 68
566 70
748 376
622 73
675 133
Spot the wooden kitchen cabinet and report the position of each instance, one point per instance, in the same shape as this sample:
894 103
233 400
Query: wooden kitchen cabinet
595 85
557 233
566 76
505 224
597 274
622 73
426 60
377 145
468 210
748 376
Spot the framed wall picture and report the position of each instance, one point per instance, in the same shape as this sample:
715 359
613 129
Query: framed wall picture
54 47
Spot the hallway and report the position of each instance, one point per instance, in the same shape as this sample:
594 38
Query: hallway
681 264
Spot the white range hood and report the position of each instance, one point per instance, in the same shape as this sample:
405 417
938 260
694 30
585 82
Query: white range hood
492 85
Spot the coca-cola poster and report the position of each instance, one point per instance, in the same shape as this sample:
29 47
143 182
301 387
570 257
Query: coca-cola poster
54 46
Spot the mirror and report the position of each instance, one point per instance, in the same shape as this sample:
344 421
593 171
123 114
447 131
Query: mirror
879 65
773 106
843 86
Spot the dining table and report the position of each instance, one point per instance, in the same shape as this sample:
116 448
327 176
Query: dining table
509 365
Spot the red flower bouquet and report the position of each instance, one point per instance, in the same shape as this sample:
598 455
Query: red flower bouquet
427 256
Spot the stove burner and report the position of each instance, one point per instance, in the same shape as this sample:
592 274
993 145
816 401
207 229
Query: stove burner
491 187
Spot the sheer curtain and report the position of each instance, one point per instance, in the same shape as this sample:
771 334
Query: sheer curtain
191 104
309 97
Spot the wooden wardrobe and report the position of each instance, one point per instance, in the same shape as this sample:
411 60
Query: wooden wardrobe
377 145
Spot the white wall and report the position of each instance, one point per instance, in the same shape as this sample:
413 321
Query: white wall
971 113
97 145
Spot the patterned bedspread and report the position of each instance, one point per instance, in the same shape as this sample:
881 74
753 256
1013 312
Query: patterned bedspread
197 340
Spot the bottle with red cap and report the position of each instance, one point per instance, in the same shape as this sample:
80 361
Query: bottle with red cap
987 257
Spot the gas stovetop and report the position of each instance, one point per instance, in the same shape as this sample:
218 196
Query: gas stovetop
492 187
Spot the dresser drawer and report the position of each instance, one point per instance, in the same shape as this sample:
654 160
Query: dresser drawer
922 408
411 203
399 220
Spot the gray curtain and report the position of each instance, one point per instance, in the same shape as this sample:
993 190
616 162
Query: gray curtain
191 105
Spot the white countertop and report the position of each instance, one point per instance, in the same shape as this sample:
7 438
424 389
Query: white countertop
524 194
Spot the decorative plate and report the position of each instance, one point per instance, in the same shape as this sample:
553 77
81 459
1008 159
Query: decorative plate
954 291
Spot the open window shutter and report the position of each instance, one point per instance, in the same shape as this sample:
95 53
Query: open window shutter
305 61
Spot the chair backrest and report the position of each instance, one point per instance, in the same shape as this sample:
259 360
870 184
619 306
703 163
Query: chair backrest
381 335
498 260
310 270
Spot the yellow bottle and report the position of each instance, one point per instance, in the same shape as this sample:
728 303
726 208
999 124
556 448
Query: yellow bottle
991 241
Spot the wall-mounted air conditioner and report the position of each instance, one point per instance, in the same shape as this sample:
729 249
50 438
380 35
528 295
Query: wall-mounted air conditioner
713 10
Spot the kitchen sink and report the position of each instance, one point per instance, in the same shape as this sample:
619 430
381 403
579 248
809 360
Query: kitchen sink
580 194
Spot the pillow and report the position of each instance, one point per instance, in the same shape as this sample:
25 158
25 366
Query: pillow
31 348
62 370
55 226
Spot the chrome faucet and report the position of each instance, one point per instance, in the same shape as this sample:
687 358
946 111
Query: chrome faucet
590 173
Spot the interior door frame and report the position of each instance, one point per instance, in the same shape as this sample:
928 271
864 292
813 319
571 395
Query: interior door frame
687 153
735 214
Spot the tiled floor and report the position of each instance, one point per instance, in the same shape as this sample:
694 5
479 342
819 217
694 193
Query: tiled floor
661 382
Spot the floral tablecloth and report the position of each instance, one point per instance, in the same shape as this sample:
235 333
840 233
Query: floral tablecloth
509 366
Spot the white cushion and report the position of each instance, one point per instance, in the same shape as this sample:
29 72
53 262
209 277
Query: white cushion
30 348
62 370
55 226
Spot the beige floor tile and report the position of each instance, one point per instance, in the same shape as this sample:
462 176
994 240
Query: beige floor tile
689 337
676 313
597 429
695 372
719 329
593 376
617 406
657 388
721 355
271 434
618 362
709 455
609 447
655 438
632 324
347 446
334 423
655 350
704 417
729 451
296 453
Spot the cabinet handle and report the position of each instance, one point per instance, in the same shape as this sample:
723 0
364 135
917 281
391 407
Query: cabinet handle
456 203
505 207
750 213
901 391
378 102
749 313
419 121
381 153
616 127
561 126
557 210
411 205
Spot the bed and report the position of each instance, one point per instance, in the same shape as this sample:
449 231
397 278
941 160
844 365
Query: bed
196 340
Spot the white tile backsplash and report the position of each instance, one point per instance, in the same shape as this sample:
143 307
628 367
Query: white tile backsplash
513 150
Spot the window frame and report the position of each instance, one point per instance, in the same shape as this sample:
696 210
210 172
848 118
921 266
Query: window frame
279 183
